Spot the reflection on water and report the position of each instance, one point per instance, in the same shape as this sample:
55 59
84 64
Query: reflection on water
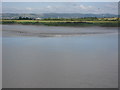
60 62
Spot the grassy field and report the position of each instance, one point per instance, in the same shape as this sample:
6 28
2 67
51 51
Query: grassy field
62 23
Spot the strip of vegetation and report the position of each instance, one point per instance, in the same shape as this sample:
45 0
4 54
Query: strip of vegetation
63 23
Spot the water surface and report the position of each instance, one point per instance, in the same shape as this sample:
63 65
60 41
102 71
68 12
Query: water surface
89 61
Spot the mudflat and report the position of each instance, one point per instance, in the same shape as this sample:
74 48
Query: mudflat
51 31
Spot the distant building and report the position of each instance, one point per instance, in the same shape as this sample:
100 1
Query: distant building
38 18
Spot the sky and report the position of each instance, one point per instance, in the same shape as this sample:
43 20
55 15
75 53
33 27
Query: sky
60 7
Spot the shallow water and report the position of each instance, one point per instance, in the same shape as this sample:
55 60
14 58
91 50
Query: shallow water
52 31
61 62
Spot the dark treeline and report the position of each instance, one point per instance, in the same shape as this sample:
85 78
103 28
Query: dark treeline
25 18
62 19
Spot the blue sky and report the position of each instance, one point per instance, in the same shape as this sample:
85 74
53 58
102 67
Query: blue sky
60 7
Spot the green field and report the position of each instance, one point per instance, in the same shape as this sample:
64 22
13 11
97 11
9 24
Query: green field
62 23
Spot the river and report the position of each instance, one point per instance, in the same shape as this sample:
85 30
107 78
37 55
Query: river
59 57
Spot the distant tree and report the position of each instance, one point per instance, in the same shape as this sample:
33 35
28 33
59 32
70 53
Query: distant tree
20 18
25 18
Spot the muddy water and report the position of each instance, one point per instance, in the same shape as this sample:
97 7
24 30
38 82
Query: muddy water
89 61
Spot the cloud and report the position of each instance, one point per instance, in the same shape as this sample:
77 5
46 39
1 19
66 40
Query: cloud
83 7
49 7
28 8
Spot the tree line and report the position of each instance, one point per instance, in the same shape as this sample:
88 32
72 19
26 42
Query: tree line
68 19
25 18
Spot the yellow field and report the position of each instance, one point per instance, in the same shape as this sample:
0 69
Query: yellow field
58 21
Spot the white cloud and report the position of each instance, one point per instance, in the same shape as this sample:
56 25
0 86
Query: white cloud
85 7
28 8
82 7
49 7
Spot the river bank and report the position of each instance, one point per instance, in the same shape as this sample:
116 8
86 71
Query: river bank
63 23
